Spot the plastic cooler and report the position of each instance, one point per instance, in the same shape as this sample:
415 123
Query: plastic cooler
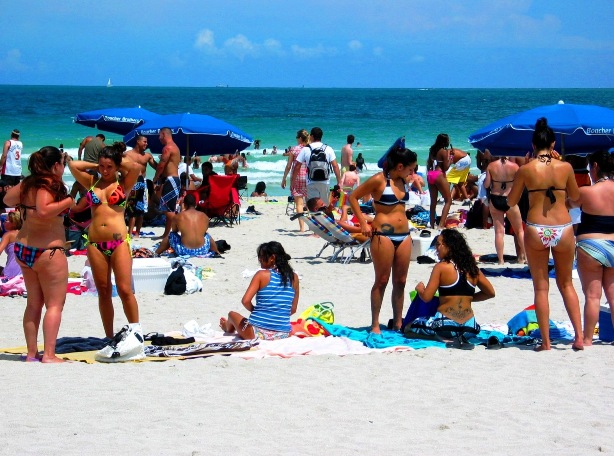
606 330
420 243
150 274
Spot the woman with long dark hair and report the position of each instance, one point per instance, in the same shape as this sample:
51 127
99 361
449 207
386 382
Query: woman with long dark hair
595 240
391 241
108 244
548 181
276 289
437 166
43 200
456 277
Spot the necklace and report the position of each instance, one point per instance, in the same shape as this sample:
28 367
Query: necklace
605 178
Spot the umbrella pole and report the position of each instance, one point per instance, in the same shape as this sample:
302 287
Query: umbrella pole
562 145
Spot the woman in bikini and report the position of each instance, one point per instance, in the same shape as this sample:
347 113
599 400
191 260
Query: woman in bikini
108 243
391 242
595 240
437 166
456 277
298 185
549 228
499 178
43 200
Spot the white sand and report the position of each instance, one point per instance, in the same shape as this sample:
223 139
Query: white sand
430 401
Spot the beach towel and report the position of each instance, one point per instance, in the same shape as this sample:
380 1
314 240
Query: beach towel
384 340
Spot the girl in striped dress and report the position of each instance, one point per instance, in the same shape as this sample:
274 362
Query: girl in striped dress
276 289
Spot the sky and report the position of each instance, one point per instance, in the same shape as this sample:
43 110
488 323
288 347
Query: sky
309 43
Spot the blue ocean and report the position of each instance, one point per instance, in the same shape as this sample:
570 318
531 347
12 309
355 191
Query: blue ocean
376 117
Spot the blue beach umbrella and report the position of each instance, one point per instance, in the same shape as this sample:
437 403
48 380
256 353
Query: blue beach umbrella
400 142
579 129
115 120
194 134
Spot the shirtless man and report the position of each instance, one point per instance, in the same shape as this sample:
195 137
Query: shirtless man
189 232
90 147
137 200
347 154
167 173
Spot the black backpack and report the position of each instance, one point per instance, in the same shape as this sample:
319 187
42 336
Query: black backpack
318 168
176 283
474 215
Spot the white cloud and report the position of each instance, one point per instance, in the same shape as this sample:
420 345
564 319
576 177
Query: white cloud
355 45
205 41
12 61
273 47
240 46
313 52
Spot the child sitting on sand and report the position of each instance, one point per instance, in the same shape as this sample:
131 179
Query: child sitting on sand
276 289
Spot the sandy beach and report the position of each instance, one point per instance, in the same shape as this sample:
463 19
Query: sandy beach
430 401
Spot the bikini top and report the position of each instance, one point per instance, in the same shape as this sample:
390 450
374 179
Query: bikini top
503 183
462 287
117 197
590 223
22 209
388 197
549 192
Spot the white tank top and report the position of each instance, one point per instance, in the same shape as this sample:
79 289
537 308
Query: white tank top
12 165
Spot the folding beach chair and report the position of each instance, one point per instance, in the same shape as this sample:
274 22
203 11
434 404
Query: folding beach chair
343 237
222 203
291 206
320 231
242 186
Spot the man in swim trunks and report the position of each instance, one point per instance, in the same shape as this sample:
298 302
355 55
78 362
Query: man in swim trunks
189 232
168 171
137 200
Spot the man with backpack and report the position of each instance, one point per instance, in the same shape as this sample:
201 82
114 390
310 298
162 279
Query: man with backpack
319 159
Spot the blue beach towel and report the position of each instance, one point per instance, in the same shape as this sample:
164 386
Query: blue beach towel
384 340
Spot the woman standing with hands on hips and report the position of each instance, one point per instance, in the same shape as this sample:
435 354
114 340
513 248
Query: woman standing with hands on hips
391 242
549 229
43 200
108 243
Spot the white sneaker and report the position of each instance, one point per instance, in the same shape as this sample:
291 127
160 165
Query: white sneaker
126 345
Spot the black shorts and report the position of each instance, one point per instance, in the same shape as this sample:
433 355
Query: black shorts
11 180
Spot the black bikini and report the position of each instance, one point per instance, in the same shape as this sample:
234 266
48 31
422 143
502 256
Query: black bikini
549 192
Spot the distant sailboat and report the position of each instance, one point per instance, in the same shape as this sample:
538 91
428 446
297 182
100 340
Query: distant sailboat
109 83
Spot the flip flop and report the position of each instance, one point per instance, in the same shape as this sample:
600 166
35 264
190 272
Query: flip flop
493 343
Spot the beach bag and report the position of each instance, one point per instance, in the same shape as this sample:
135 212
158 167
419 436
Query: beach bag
126 345
318 168
474 215
322 311
176 283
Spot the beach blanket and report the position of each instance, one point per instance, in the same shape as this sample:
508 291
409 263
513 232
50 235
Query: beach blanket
384 340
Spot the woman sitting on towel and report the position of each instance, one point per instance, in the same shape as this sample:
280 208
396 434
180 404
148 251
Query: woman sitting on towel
549 228
43 200
276 289
7 244
455 277
500 178
595 239
391 242
108 242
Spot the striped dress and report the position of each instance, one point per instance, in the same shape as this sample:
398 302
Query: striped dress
273 305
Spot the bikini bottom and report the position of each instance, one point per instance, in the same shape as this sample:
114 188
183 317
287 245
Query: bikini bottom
396 238
28 255
499 202
601 250
550 235
432 176
107 247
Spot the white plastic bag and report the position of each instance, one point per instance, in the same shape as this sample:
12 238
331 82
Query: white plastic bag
192 283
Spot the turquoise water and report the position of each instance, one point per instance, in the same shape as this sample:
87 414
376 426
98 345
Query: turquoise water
376 117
